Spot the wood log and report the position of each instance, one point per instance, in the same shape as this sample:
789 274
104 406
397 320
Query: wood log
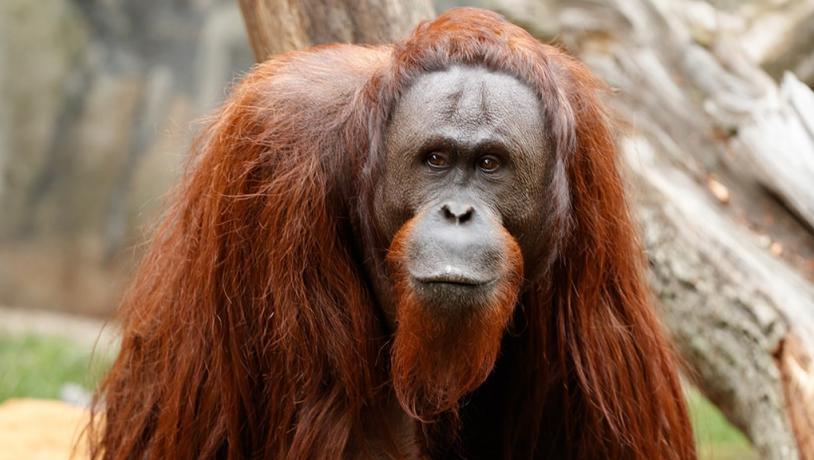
275 26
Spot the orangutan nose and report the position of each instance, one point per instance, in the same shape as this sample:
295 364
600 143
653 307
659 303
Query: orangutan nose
457 213
457 244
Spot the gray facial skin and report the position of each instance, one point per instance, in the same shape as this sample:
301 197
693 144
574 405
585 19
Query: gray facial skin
466 153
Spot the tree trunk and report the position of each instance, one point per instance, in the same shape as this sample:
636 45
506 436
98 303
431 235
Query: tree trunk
276 26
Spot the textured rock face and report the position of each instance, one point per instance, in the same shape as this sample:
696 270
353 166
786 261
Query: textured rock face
99 102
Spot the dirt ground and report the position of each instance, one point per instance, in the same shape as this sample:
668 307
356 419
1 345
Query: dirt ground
35 429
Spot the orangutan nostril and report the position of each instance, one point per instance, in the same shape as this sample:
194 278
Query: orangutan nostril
457 213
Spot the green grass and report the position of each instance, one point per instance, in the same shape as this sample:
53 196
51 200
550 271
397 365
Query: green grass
717 439
37 367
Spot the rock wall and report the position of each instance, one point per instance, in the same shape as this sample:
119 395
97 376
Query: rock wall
100 99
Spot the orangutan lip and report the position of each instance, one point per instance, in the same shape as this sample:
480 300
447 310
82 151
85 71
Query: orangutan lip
452 278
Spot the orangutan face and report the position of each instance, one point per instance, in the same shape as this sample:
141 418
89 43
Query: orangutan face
460 204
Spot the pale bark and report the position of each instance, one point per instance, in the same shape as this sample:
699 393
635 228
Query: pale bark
779 35
275 26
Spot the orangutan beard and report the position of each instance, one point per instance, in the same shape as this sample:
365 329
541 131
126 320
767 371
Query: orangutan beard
440 354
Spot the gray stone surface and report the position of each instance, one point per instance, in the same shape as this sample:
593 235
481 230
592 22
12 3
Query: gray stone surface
99 104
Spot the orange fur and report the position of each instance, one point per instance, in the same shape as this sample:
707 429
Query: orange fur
250 331
438 357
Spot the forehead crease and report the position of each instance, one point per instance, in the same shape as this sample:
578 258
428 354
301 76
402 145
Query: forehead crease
471 99
460 96
452 103
483 91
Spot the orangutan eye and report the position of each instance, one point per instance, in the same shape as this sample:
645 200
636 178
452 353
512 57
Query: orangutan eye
488 164
437 160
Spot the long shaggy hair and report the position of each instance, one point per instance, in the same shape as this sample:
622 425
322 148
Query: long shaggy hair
440 355
251 331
